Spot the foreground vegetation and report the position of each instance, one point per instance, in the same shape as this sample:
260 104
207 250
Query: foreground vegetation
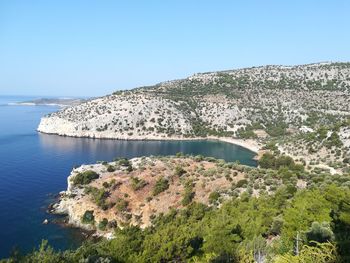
289 224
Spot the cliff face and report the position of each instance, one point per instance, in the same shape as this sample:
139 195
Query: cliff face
119 116
216 103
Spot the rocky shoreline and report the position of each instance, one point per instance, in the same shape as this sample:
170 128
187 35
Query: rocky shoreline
65 203
46 127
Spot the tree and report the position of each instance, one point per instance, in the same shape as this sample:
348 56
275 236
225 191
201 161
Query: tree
320 253
306 207
320 233
267 161
45 254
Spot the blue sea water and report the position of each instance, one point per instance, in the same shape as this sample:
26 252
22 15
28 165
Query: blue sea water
35 166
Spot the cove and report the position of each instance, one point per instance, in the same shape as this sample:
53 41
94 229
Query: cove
34 167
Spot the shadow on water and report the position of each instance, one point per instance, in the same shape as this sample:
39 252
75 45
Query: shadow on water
107 149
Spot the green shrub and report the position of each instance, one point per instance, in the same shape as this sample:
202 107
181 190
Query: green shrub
241 183
270 161
187 198
121 204
103 224
161 185
214 197
179 170
137 183
267 161
85 177
110 168
99 196
277 225
319 232
124 162
88 217
188 194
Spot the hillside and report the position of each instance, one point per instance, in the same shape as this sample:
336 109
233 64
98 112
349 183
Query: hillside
135 191
216 103
199 209
304 110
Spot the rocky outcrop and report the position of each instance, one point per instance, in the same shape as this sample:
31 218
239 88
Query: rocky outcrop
152 187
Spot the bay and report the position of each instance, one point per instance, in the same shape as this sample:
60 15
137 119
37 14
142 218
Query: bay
34 167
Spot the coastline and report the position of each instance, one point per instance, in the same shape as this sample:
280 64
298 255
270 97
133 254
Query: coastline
36 104
249 144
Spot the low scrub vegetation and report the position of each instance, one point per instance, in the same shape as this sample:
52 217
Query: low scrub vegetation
85 177
137 183
161 185
236 232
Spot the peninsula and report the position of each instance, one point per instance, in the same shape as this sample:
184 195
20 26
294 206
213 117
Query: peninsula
61 102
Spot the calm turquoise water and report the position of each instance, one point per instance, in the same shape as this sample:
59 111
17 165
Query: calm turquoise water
34 166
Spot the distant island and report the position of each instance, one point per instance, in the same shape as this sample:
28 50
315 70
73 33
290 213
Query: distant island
61 102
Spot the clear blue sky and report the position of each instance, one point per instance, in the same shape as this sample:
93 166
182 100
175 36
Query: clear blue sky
91 48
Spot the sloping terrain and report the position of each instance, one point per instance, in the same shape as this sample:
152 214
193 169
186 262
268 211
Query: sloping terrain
304 110
215 103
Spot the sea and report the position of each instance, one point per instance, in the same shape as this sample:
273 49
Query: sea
34 169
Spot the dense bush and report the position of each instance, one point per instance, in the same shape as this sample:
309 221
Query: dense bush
110 168
123 162
85 177
241 183
320 233
161 185
103 224
271 161
276 129
246 133
88 217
